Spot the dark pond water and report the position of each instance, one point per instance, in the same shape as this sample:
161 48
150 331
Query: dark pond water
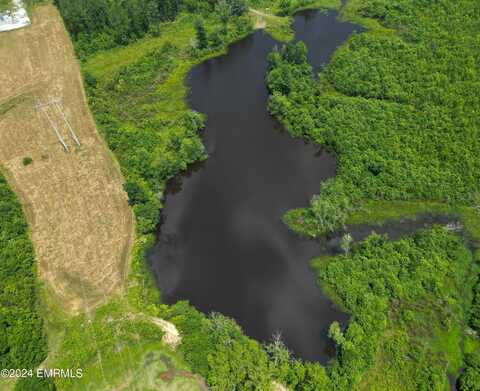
393 229
221 243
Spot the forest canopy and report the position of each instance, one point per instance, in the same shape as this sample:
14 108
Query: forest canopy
398 109
22 339
103 24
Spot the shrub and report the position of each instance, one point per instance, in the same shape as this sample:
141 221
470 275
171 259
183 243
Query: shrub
27 161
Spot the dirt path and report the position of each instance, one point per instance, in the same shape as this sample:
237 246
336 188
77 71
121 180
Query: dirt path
81 225
260 22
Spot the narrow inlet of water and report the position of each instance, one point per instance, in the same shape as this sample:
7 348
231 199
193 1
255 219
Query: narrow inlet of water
222 244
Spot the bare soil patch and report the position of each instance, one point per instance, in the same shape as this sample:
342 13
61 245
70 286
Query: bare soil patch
171 337
260 22
81 225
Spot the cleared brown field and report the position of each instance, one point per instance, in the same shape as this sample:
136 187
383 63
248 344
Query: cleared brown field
81 225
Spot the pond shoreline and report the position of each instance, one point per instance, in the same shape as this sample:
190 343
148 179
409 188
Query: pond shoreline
231 207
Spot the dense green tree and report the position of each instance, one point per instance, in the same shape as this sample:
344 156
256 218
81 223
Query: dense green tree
201 34
224 10
136 195
217 348
22 339
398 109
285 6
239 7
102 24
475 310
278 352
35 383
346 243
150 151
335 333
26 161
154 16
330 212
470 378
379 282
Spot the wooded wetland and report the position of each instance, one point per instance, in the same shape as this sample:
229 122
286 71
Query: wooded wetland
383 135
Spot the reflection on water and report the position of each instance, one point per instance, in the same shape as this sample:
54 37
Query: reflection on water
221 243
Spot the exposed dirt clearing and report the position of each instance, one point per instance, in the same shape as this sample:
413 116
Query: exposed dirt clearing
81 225
260 22
276 386
171 337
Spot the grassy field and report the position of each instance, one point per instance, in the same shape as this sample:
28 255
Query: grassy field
118 348
108 62
81 225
